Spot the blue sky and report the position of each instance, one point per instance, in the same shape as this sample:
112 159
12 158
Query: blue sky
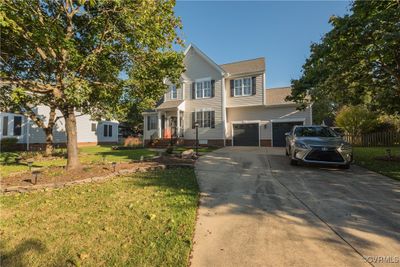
281 32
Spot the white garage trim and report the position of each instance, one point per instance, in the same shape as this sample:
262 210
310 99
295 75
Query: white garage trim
303 120
247 122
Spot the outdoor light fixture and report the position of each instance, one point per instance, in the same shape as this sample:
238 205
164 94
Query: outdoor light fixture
196 125
30 163
36 174
141 158
114 164
389 153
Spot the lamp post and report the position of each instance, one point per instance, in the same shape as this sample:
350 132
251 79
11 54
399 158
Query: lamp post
30 163
196 125
114 164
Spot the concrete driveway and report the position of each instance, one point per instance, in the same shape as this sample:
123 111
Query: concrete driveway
257 210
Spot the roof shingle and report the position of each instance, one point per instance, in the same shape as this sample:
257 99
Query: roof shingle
245 66
276 96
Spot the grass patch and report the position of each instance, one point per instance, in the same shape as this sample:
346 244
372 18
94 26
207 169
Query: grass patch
90 154
366 157
144 219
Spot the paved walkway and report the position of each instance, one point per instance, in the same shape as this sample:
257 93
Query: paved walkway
257 210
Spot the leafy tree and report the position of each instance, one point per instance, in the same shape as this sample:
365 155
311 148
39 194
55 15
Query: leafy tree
357 62
356 119
88 54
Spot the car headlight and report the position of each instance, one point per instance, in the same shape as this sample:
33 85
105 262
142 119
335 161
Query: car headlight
300 145
345 147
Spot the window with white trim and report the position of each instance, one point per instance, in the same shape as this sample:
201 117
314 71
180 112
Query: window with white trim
203 89
174 93
152 121
243 87
204 117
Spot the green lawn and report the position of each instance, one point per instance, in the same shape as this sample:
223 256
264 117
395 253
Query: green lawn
90 154
365 156
144 219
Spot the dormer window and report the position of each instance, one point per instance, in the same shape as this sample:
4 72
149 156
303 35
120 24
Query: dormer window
174 93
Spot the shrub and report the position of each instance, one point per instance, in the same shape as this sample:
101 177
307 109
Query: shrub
132 141
9 144
170 149
356 120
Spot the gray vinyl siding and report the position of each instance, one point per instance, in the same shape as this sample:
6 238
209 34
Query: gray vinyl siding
83 126
241 101
215 104
266 116
198 68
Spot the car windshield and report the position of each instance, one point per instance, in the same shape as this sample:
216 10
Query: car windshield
314 132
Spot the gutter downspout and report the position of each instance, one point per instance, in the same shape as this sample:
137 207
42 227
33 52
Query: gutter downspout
27 133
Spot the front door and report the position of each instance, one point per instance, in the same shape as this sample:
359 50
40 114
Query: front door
173 126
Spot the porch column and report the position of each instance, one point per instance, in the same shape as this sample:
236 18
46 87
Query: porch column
159 125
178 123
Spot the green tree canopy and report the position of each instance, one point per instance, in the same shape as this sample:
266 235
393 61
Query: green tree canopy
88 54
356 119
357 62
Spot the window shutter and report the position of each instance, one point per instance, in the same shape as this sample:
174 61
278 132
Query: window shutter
193 119
105 130
110 130
253 85
193 90
212 88
232 87
212 119
148 123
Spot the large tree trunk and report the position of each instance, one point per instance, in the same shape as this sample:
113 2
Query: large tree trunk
72 140
49 142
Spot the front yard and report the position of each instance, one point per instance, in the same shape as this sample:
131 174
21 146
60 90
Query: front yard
145 219
87 155
367 157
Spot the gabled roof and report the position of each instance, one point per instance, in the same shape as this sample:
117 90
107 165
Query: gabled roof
276 96
205 57
245 66
169 104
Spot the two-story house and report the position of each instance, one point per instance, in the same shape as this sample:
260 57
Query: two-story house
229 103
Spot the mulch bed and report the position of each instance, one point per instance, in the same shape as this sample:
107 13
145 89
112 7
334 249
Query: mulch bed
59 175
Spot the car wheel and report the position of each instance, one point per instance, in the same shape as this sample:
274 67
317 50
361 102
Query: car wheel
294 162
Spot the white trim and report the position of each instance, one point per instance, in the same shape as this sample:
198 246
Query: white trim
248 122
223 102
205 57
242 87
303 120
263 89
202 81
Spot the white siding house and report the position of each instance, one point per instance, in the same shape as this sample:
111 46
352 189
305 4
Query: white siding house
29 135
229 102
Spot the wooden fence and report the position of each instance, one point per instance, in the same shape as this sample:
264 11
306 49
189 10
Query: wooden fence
374 139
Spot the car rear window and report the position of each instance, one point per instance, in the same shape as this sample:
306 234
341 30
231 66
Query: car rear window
314 132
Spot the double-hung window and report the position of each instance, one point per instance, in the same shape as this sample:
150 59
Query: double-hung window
152 123
205 118
174 92
243 87
107 130
203 89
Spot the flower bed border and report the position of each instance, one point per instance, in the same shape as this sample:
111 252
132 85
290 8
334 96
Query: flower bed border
96 179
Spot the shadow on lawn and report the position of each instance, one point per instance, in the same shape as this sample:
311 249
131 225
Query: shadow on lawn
16 257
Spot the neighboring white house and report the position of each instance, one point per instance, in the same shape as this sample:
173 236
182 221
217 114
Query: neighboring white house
229 102
30 135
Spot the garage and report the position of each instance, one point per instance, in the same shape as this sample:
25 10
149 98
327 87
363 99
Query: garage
278 132
246 134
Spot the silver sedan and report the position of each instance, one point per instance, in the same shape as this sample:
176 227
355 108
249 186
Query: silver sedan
317 144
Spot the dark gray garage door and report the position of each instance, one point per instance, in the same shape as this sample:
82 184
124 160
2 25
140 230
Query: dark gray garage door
245 134
279 129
